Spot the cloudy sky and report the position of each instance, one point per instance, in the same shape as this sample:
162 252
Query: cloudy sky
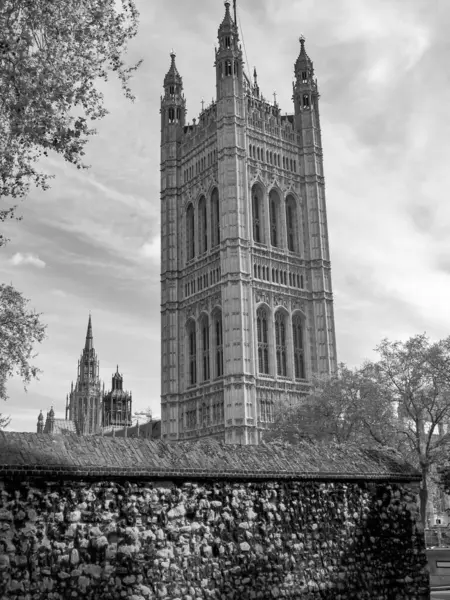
91 242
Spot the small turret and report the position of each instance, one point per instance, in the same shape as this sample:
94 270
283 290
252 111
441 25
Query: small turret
229 66
51 421
255 83
305 85
40 423
173 103
117 380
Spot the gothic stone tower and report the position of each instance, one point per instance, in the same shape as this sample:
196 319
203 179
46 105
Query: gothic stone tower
117 405
85 400
246 298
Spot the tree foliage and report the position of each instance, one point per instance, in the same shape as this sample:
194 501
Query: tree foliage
20 330
343 407
415 376
52 56
402 400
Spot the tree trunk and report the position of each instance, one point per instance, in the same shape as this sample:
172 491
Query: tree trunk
423 495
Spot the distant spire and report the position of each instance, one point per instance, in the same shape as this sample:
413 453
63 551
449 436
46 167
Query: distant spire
89 339
40 423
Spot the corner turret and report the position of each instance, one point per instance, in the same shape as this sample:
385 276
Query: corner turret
305 91
229 64
173 103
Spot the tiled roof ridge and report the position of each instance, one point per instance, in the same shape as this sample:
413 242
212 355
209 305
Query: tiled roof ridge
94 456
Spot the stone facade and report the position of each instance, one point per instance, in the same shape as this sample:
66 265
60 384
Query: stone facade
116 405
206 521
84 403
89 410
246 296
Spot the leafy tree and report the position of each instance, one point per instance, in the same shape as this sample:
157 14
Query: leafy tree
4 421
20 329
343 407
401 401
415 377
52 56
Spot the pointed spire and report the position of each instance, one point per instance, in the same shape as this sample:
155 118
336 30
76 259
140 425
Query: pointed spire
172 76
89 339
227 20
303 62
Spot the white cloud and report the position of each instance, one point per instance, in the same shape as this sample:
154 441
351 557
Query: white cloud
59 293
27 259
152 249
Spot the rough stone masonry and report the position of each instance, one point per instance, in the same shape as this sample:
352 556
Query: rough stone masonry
109 518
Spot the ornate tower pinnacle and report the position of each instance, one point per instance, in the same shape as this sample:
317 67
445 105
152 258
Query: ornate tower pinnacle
85 398
117 380
304 68
172 76
89 338
40 423
173 103
228 58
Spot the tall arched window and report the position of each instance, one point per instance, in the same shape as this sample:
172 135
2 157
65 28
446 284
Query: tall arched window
280 342
291 224
263 340
205 348
273 214
215 218
202 226
218 344
257 215
192 350
190 232
299 356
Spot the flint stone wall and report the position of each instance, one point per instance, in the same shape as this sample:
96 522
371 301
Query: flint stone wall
310 536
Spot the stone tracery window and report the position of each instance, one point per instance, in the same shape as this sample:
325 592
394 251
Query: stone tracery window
202 226
205 348
263 340
299 356
192 352
291 224
215 218
190 232
273 217
280 342
218 342
257 215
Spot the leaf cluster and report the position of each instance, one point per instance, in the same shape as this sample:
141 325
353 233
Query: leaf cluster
52 55
20 329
